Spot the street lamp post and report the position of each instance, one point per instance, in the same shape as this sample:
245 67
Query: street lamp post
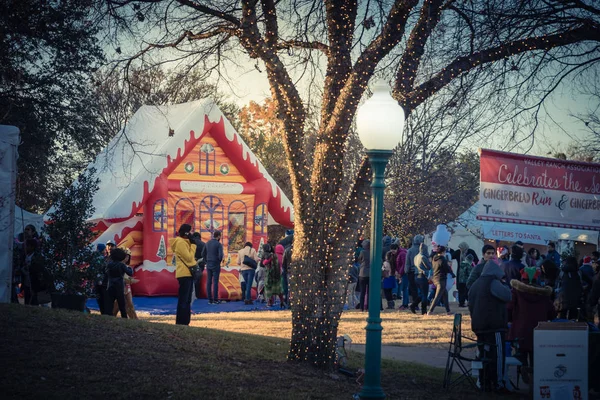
380 122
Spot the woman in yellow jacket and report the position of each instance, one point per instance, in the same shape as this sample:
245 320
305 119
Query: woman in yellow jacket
184 250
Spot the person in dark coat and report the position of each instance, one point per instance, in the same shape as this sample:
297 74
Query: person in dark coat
418 280
586 273
441 268
358 249
420 275
553 254
530 304
41 281
549 274
116 284
569 290
463 251
200 257
512 269
214 257
488 299
488 251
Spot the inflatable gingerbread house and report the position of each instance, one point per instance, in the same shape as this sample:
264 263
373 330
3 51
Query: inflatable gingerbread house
179 164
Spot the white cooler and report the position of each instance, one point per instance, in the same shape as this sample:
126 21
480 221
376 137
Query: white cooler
560 351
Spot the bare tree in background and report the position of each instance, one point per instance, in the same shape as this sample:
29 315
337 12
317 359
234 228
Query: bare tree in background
507 53
577 152
590 118
117 100
418 199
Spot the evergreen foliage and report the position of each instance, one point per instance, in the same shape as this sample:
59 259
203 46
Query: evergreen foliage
68 237
48 51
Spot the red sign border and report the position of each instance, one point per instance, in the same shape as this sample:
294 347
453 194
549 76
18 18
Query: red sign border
516 156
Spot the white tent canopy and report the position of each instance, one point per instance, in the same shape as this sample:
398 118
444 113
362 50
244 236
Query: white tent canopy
535 234
466 228
9 141
24 218
469 229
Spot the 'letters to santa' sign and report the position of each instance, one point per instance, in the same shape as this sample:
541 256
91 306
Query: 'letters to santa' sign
539 191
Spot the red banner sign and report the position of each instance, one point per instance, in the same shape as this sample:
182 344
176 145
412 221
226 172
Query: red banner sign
539 191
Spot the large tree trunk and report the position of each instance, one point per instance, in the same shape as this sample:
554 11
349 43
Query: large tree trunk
318 276
317 288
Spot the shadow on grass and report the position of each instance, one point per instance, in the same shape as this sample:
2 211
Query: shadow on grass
56 354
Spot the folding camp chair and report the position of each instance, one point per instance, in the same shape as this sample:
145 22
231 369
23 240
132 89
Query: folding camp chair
512 360
455 357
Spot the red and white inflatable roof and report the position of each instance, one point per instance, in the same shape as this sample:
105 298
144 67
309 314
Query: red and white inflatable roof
134 158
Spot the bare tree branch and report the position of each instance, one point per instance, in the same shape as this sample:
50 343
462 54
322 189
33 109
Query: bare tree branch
464 64
271 28
334 131
415 48
341 17
289 44
207 10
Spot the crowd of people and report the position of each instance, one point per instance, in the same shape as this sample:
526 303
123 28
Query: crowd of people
113 281
33 281
267 267
508 291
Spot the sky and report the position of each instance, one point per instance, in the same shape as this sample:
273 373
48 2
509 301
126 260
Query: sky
247 81
558 127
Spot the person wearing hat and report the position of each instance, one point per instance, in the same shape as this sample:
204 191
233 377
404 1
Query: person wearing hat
110 245
184 251
115 270
441 269
512 269
503 254
525 257
586 270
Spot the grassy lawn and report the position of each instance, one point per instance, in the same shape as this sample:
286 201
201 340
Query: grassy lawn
68 355
400 328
